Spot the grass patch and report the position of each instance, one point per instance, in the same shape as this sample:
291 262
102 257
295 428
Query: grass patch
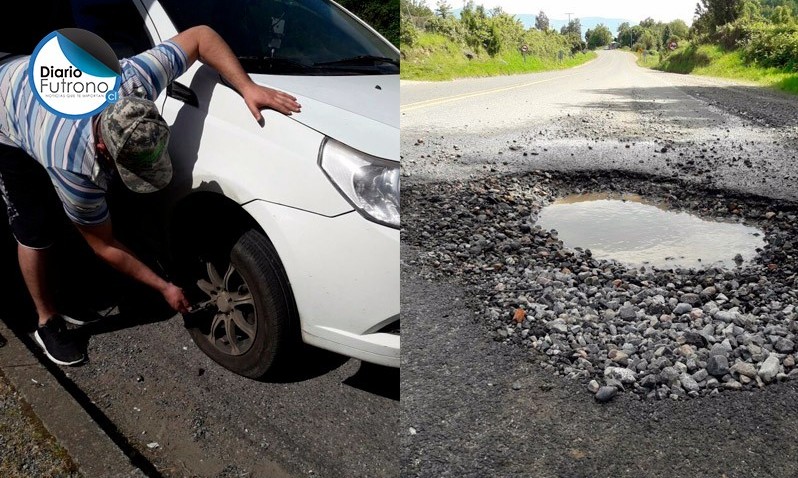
649 60
434 57
712 60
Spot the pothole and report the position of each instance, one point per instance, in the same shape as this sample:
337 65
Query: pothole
632 231
657 333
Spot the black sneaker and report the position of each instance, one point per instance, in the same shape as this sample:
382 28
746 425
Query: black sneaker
57 343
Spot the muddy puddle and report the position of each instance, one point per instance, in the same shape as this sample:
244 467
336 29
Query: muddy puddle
630 230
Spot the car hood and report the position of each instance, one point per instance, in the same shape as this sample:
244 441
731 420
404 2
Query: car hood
360 111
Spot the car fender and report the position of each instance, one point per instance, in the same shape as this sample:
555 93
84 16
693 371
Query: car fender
229 152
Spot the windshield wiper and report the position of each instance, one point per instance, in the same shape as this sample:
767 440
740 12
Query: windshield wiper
269 63
359 60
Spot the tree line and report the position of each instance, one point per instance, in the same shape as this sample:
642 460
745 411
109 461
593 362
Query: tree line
652 35
765 31
494 30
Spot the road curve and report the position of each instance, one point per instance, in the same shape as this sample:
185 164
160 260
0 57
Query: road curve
594 112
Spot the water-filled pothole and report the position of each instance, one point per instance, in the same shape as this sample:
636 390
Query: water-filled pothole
631 231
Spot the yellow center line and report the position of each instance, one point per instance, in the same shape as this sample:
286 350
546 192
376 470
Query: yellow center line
449 99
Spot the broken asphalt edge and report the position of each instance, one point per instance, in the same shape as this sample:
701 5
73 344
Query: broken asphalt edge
95 453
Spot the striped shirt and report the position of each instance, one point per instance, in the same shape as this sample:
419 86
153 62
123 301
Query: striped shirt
65 147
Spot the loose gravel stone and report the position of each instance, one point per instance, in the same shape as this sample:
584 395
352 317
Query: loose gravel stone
669 376
723 348
784 346
717 365
689 383
605 394
695 338
624 375
701 375
733 385
640 328
692 299
593 386
744 369
627 313
682 308
769 369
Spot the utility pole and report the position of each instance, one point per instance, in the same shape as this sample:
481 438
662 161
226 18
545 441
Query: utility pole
569 16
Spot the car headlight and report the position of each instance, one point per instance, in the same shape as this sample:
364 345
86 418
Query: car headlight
369 183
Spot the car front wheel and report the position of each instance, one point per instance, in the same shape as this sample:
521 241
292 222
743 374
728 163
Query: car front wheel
246 324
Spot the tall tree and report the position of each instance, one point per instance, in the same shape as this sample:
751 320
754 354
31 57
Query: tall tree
574 33
413 8
648 23
711 14
542 22
443 9
679 28
599 36
496 11
782 15
667 34
625 34
574 27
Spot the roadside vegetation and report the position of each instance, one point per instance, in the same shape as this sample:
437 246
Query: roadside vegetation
752 40
439 46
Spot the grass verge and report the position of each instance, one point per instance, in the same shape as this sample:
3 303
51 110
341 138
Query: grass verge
712 60
436 58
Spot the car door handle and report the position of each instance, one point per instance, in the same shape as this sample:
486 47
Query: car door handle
182 93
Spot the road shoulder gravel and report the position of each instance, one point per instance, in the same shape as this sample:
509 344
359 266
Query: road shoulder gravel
57 431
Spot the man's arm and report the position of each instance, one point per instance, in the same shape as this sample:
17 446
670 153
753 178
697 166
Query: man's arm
204 44
102 241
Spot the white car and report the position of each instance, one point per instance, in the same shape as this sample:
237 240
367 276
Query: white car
288 229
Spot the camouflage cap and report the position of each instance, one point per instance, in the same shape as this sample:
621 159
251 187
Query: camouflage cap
137 137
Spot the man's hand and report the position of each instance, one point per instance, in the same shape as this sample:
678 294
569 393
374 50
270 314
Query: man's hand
101 239
175 298
203 43
259 97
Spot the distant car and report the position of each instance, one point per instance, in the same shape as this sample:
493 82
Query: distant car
289 229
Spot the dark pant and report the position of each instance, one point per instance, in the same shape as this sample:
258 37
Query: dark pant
34 210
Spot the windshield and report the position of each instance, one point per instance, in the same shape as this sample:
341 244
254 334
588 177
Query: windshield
290 37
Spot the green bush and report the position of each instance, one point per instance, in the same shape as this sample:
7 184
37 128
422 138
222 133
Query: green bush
448 27
685 60
408 34
773 46
733 35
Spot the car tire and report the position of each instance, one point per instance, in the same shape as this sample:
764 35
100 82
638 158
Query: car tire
251 338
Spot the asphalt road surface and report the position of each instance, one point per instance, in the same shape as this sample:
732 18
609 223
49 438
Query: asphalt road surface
179 414
472 406
584 118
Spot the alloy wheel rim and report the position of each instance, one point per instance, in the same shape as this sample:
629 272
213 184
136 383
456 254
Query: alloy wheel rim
234 325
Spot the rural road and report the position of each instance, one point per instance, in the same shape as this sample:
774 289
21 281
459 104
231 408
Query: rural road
157 395
475 403
593 112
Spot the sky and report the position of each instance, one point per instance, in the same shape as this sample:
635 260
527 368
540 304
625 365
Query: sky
633 10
